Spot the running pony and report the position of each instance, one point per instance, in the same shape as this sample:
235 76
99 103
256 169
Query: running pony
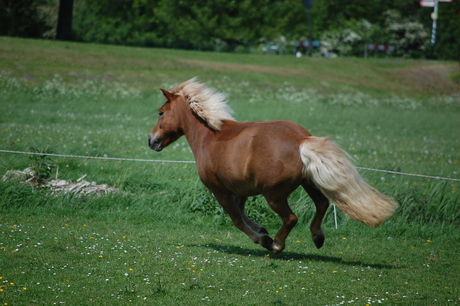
236 160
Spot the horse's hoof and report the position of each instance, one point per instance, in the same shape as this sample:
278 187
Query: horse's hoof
318 238
277 249
267 242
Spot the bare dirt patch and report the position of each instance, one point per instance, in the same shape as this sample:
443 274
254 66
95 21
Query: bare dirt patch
429 78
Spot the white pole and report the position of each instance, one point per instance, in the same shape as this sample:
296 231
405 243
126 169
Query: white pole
335 216
434 16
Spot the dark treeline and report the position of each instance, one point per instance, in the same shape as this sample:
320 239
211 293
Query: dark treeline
342 26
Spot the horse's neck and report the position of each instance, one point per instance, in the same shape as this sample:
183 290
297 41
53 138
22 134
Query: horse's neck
195 131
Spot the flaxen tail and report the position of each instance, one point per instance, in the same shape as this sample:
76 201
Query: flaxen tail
328 167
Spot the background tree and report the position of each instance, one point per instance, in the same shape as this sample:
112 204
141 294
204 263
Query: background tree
64 22
23 18
243 25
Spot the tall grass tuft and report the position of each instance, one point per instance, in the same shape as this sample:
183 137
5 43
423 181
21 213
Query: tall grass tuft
429 205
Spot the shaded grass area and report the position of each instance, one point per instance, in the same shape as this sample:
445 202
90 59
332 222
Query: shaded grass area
146 66
162 238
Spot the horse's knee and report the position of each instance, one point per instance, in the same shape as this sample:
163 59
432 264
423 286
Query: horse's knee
293 220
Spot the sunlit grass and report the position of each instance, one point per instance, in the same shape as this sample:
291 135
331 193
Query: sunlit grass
70 259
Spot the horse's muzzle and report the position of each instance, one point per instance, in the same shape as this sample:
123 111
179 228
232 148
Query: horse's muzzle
155 143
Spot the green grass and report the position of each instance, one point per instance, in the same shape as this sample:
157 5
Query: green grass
83 260
162 239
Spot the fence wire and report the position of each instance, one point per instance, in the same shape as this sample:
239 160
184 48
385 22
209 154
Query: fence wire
193 162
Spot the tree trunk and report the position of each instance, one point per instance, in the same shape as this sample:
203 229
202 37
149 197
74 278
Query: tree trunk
64 24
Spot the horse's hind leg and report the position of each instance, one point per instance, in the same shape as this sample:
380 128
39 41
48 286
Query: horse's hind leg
321 203
234 206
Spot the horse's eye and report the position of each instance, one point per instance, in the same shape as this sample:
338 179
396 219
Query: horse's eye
160 113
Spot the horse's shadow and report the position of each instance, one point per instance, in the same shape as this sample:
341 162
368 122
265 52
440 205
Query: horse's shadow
289 256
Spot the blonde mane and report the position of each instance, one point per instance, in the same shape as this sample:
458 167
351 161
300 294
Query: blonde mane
209 105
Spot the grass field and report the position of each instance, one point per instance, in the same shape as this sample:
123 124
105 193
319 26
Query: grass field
161 239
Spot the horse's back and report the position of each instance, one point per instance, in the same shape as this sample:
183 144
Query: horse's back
254 156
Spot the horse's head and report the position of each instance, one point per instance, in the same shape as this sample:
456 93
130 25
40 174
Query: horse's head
167 130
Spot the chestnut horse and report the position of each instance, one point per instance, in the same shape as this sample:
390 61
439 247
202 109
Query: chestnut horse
236 160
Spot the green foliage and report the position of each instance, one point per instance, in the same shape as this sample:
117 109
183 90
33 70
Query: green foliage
343 28
456 78
24 18
244 26
40 165
409 37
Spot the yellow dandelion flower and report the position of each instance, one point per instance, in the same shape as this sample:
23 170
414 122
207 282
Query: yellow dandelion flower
100 256
24 288
428 240
334 271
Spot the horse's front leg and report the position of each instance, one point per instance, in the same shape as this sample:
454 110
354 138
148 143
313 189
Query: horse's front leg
281 207
321 203
234 206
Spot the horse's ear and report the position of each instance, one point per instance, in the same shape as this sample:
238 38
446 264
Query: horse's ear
168 95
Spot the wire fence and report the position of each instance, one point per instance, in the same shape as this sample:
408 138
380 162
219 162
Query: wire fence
193 162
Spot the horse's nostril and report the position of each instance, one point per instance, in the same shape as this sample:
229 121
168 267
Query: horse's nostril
155 143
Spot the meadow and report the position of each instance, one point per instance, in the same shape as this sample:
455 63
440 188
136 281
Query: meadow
161 238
